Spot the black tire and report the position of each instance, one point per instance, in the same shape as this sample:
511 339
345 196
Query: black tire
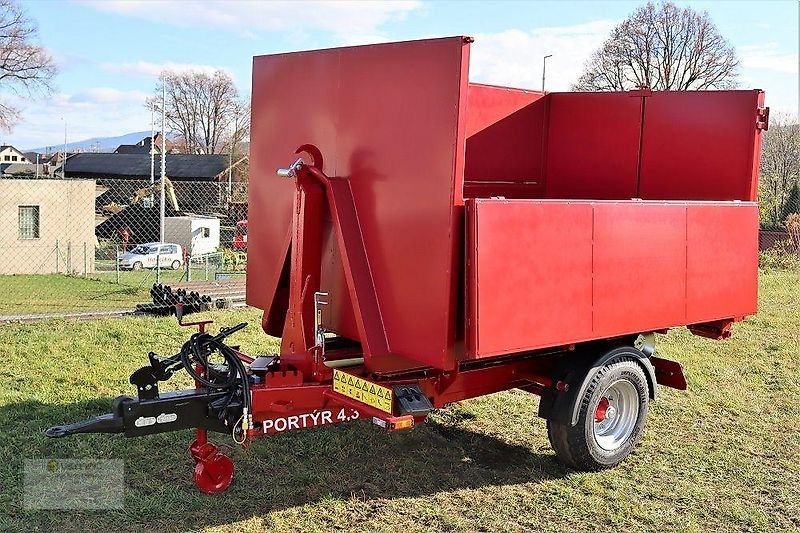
578 446
137 265
176 265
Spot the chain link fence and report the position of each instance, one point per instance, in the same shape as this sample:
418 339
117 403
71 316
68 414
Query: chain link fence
94 246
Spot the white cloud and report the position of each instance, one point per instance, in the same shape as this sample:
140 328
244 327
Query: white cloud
153 70
769 57
107 95
347 19
514 57
94 112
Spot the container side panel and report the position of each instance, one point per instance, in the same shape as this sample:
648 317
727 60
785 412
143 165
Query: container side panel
399 108
722 264
547 273
488 104
506 158
293 103
700 145
639 267
592 145
533 274
386 117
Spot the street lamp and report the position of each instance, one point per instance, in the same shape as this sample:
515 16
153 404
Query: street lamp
544 67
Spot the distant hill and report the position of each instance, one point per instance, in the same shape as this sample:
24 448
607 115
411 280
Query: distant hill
99 144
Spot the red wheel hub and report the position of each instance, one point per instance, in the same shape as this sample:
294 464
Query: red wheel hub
213 471
214 475
602 410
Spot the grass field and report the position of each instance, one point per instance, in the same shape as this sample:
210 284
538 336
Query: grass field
722 456
59 293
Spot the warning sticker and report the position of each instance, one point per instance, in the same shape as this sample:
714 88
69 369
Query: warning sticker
362 390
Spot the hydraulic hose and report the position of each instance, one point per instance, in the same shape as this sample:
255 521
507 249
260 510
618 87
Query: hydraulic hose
196 351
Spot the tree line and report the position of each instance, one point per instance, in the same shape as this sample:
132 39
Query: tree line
204 109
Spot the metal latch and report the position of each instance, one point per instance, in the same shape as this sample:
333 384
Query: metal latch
290 172
762 118
320 299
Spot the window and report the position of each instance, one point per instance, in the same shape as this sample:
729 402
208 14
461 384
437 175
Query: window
29 222
205 233
6 158
13 158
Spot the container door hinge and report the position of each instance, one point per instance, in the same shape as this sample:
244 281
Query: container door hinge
762 118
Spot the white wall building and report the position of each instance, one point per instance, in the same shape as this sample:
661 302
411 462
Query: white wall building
46 226
9 154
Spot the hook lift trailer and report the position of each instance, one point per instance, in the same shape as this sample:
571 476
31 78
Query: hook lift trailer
462 239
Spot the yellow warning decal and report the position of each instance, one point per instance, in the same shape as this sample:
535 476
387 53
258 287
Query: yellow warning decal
362 390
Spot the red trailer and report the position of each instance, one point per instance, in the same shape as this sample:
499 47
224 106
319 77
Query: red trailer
437 240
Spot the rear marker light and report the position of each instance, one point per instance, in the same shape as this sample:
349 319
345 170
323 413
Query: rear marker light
403 423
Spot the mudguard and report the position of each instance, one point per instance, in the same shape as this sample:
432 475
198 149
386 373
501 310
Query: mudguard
561 402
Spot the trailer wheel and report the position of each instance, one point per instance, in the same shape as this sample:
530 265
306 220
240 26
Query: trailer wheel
176 265
137 265
611 418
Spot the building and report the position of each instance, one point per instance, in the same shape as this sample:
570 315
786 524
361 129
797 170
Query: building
143 146
9 154
179 167
47 226
23 170
200 181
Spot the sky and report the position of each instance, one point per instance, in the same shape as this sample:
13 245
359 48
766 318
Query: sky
110 52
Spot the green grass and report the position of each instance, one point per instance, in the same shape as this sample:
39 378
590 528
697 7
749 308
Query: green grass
722 456
60 293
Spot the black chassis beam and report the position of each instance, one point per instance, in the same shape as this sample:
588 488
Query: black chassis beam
168 411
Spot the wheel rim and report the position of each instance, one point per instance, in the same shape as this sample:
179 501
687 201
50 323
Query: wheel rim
615 415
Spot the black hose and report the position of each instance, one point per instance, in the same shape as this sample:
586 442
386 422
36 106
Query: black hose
196 351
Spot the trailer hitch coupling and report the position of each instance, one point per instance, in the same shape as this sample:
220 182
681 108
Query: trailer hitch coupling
217 404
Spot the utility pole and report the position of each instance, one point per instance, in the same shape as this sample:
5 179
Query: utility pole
163 158
230 164
163 180
544 68
64 163
152 149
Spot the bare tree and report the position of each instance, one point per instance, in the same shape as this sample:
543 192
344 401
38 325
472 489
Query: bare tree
201 107
663 47
25 68
780 170
239 126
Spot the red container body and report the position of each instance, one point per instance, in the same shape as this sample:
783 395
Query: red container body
496 220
